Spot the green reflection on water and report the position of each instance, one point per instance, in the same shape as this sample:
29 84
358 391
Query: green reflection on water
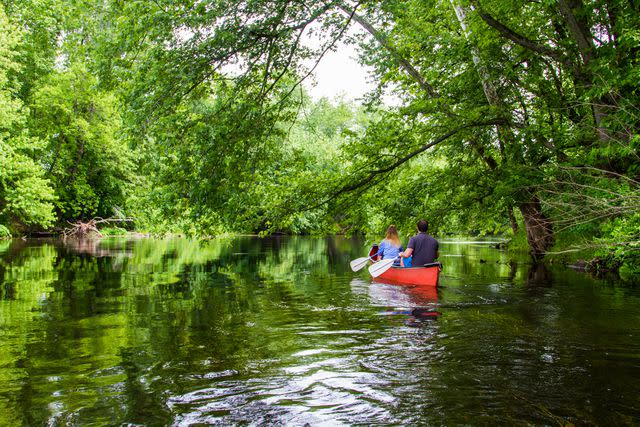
115 330
80 321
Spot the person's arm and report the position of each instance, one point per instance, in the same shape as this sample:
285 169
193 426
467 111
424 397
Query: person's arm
407 253
380 253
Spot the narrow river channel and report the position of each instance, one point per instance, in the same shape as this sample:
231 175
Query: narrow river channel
280 331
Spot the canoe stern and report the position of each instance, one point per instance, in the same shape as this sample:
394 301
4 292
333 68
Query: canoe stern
425 276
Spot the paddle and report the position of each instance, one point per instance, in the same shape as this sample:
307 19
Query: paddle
381 266
357 264
434 264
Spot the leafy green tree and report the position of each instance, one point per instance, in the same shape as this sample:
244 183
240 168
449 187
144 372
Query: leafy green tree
25 194
499 100
42 24
534 88
87 161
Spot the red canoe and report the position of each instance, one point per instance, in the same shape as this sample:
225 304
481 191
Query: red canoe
425 276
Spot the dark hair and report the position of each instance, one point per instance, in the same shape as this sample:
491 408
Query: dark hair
423 226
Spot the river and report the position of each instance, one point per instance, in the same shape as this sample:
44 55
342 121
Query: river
280 331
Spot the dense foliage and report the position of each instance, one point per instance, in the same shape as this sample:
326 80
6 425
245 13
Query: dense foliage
25 194
514 117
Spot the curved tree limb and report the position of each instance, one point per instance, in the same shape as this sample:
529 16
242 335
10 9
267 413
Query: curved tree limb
384 42
374 176
519 39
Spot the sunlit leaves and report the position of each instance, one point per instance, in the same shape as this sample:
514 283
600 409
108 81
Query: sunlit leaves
85 158
25 196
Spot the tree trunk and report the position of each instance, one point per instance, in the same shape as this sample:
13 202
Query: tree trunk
580 30
539 228
72 175
505 135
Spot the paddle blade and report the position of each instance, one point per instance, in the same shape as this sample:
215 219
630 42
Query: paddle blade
357 264
380 267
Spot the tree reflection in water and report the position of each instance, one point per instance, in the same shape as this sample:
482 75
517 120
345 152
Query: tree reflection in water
245 330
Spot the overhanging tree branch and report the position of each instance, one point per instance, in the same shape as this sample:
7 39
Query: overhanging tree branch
374 175
384 42
519 39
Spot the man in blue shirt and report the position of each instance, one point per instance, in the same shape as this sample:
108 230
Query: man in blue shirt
422 246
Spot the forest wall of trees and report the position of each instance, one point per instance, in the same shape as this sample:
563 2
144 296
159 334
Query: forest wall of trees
515 118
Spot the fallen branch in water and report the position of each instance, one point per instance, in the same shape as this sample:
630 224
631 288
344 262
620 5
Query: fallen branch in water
83 229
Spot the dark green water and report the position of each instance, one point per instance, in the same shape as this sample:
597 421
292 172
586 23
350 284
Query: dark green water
281 332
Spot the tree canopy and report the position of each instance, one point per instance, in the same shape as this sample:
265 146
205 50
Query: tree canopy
514 117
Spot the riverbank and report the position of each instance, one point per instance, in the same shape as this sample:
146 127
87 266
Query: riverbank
576 252
587 253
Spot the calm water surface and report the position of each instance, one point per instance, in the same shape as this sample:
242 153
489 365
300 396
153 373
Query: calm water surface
280 331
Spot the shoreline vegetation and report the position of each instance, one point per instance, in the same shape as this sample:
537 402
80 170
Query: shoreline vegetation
582 259
516 119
